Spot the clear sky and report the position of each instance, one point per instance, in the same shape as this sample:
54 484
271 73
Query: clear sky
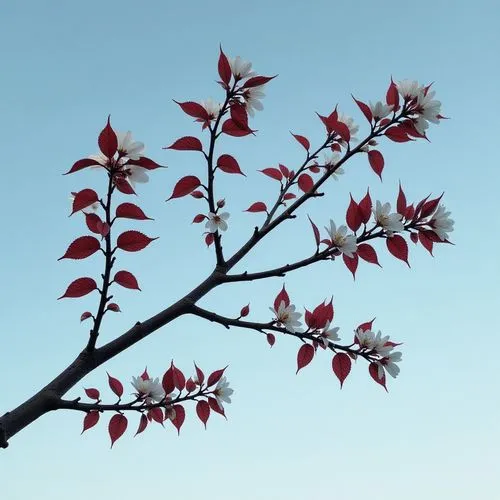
435 435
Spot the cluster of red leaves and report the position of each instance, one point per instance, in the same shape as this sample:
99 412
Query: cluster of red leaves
170 408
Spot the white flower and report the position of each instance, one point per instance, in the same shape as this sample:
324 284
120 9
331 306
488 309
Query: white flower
441 223
217 222
287 316
365 338
223 392
149 389
330 161
252 97
380 110
329 334
240 68
380 346
212 108
429 108
347 244
409 88
349 121
91 209
101 159
389 364
136 174
127 147
392 223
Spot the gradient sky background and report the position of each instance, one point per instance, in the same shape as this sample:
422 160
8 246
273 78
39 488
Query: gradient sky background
435 435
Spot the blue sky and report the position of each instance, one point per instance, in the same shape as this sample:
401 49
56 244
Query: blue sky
67 65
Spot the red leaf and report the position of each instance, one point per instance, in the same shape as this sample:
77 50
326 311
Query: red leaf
92 393
365 109
133 241
190 385
414 237
239 115
198 218
199 375
123 185
113 307
224 68
284 170
145 162
314 169
401 202
198 195
257 81
315 231
214 405
376 161
94 223
397 134
143 423
180 415
203 411
245 310
427 243
366 326
79 288
179 378
117 426
392 96
215 377
230 127
185 186
304 356
131 211
341 365
167 382
353 215
410 212
126 279
271 339
91 419
305 182
209 239
258 206
274 173
81 164
429 207
229 165
83 199
340 127
351 263
373 370
281 297
289 196
156 414
368 253
187 143
398 247
115 385
108 142
85 315
193 109
365 208
303 141
82 248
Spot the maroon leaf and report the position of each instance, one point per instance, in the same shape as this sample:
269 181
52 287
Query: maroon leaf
79 288
115 385
82 248
281 297
180 415
167 382
230 127
123 185
185 186
427 243
429 207
398 247
353 215
305 182
94 223
81 164
126 279
156 414
214 405
113 307
198 218
271 339
203 411
145 162
91 419
365 207
245 310
368 253
215 377
133 241
179 378
304 356
351 263
366 326
373 370
401 202
224 68
209 239
239 115
85 315
193 109
315 231
108 142
92 393
341 365
365 109
303 141
289 196
117 426
198 195
284 170
257 81
414 237
376 161
131 211
83 199
187 143
258 206
397 134
392 96
199 375
229 165
274 173
143 423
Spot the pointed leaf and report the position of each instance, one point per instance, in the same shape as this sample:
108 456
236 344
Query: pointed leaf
229 165
198 218
398 247
397 134
133 241
274 173
271 339
239 115
143 423
353 215
193 109
224 68
94 223
84 199
257 81
126 279
341 365
123 185
81 164
215 377
85 315
304 356
401 202
185 186
214 405
131 211
245 310
92 393
365 109
429 207
303 141
108 142
305 183
79 288
167 382
281 297
351 263
91 419
203 411
392 96
376 161
368 253
117 426
115 385
258 206
230 127
289 196
284 170
315 231
179 378
113 307
209 239
373 370
187 143
145 162
82 248
180 415
199 375
427 243
365 208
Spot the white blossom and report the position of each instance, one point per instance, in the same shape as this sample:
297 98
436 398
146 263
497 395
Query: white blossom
212 108
366 339
252 97
388 364
127 147
329 334
331 159
349 121
441 223
380 110
380 344
136 174
392 223
223 392
346 243
409 88
240 68
217 222
149 389
287 316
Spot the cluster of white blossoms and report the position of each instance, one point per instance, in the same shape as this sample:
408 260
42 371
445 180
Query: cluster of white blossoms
329 334
217 222
390 222
212 108
423 105
287 316
380 110
441 223
381 346
148 389
223 392
345 243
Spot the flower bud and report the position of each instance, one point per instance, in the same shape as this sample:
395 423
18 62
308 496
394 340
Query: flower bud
221 203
